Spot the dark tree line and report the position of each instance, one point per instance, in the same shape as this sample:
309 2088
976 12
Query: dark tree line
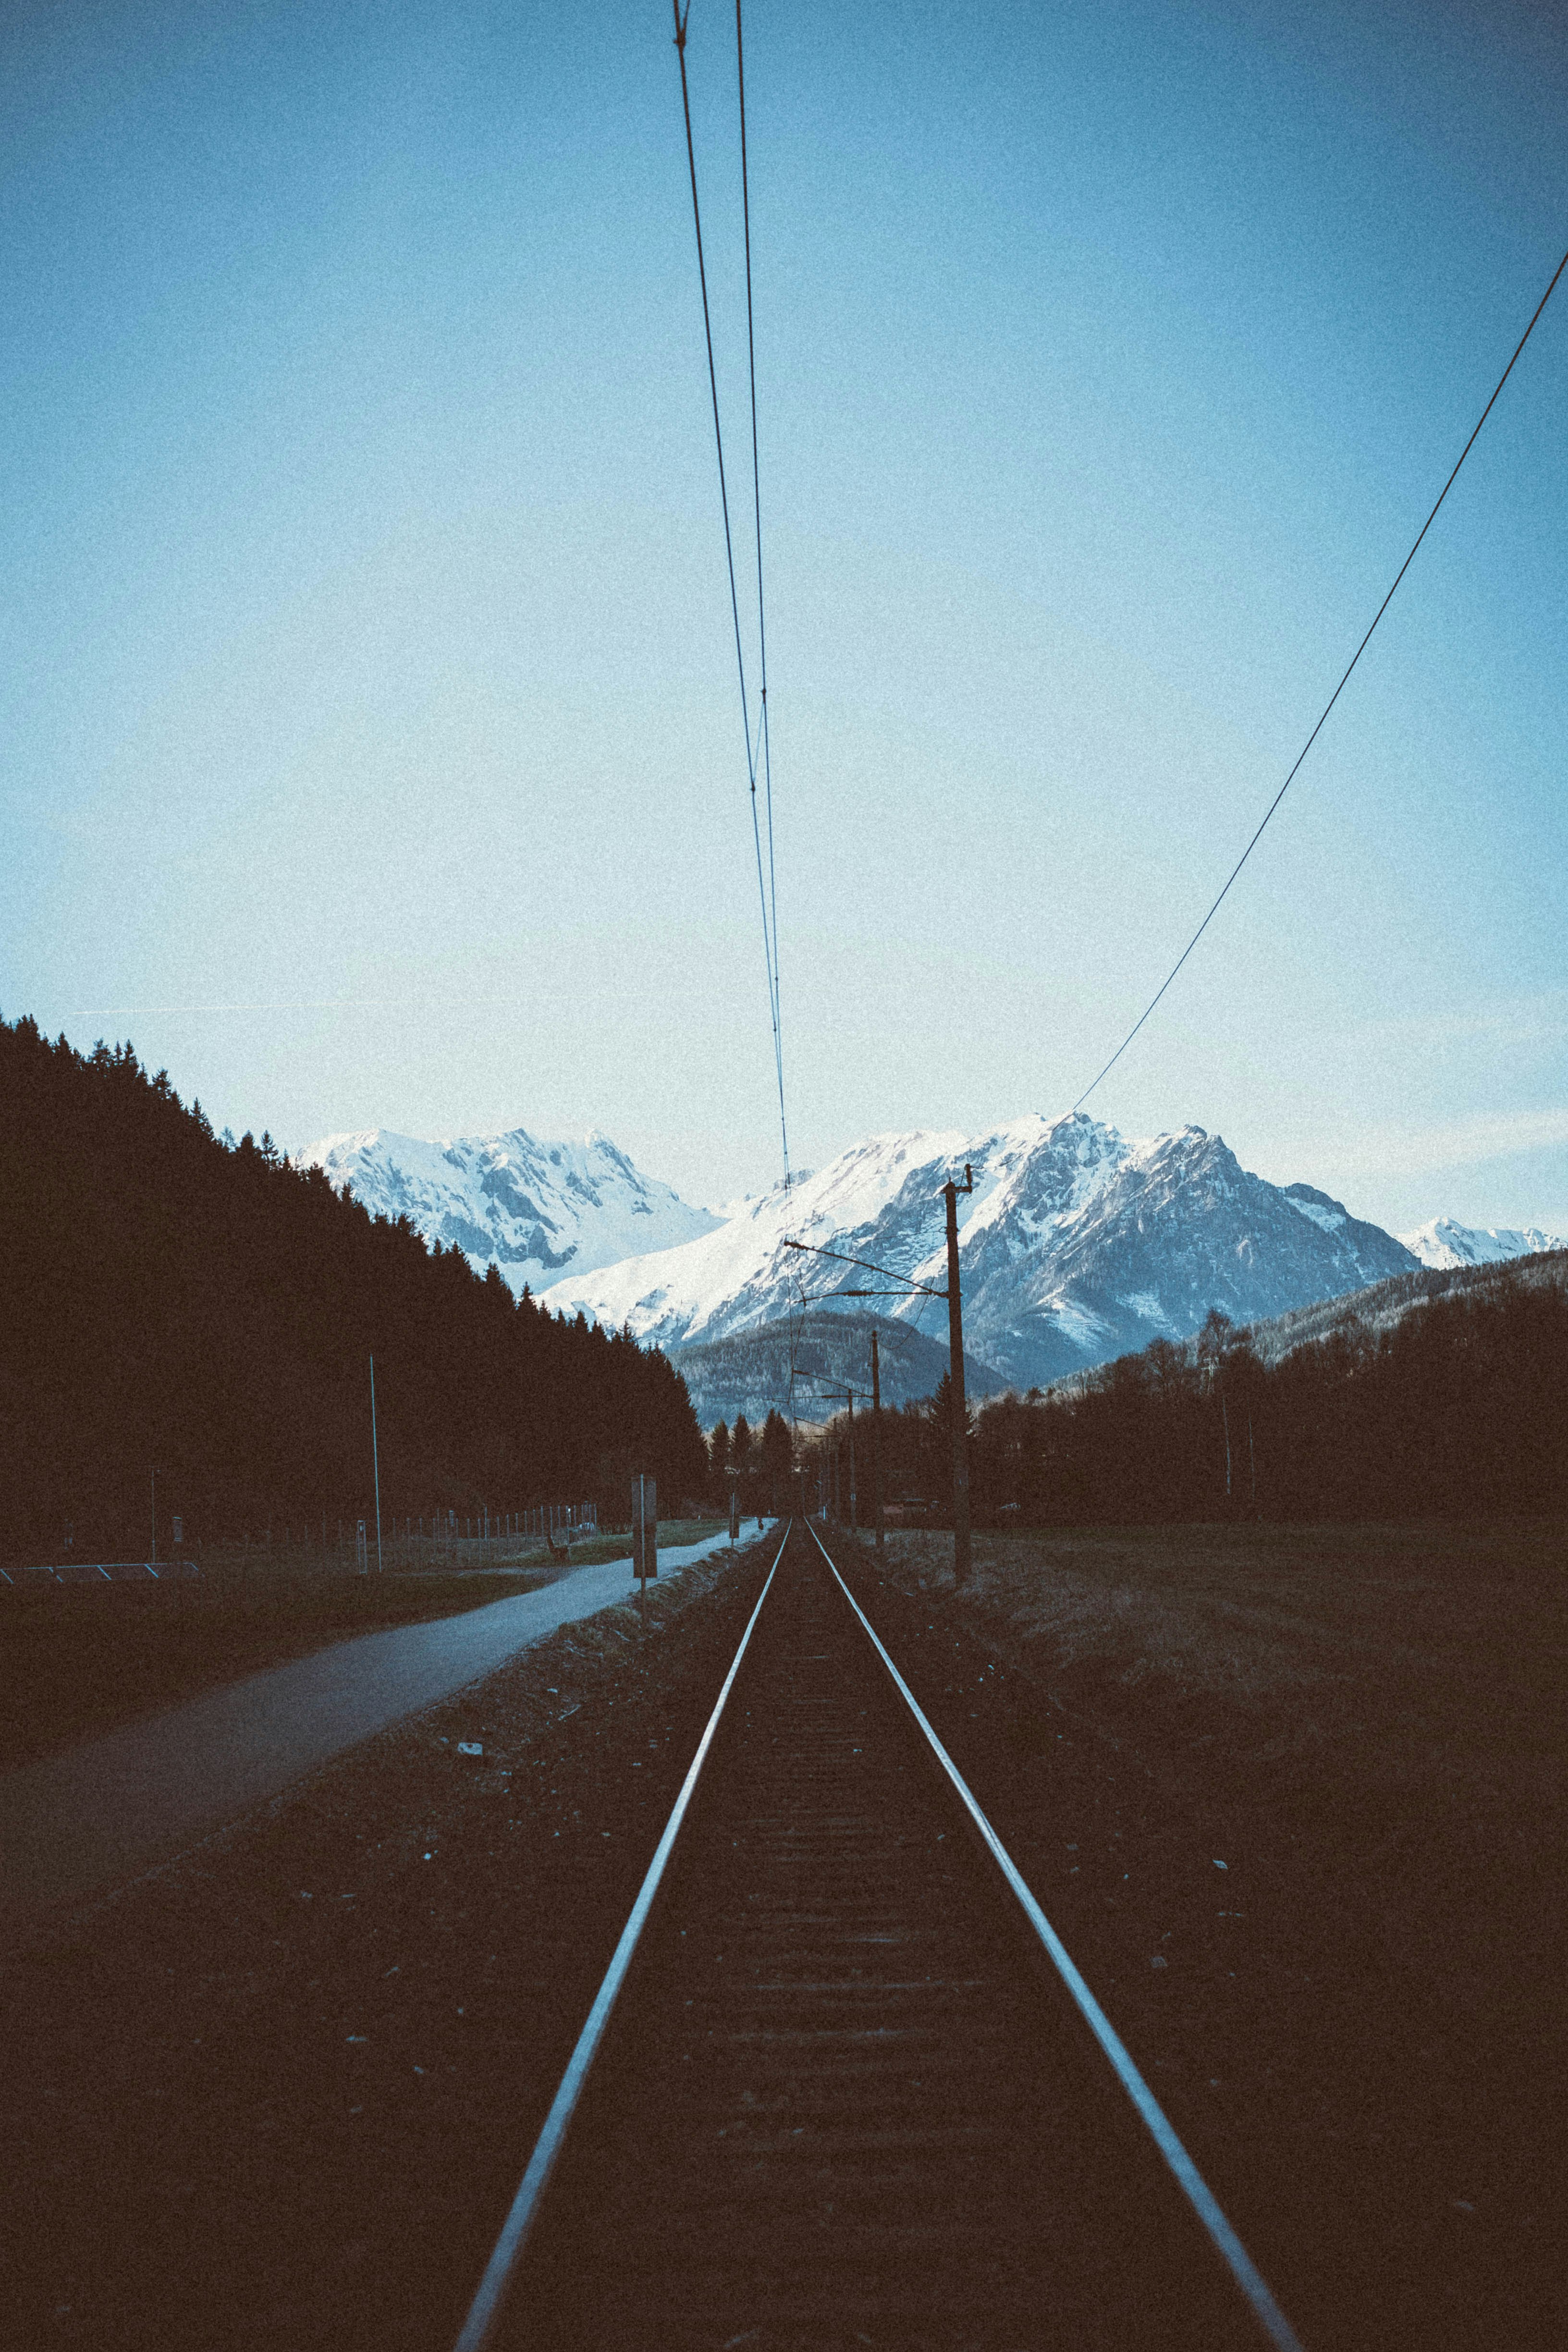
169 1300
1460 1408
916 1442
759 1463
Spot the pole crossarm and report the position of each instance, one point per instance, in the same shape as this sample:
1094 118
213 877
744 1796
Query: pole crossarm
888 1273
817 1297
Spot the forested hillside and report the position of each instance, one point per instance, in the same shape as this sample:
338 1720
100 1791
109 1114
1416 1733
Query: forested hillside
751 1372
170 1300
1458 1408
1377 1308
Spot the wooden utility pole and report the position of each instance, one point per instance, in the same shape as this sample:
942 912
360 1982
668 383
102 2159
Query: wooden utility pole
950 1193
876 1440
854 1522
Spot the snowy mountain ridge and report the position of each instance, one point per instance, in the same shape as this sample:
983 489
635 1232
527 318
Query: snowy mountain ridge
534 1208
1443 1242
1075 1245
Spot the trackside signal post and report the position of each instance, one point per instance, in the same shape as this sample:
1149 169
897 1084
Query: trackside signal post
950 1193
645 1528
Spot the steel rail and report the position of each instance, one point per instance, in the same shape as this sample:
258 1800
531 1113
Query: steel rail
484 2313
1199 2195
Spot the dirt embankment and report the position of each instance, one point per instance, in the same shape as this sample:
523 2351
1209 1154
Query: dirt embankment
279 2095
1291 1797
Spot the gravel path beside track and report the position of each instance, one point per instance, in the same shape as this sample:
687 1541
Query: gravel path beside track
73 1824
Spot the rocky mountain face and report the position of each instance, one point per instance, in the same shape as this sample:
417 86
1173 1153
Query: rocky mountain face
1444 1242
1179 1227
1075 1247
536 1209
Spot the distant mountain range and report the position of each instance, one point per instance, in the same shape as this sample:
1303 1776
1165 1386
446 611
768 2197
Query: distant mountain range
1076 1245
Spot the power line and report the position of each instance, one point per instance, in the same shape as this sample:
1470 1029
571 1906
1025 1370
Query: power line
1333 698
890 1274
769 949
761 616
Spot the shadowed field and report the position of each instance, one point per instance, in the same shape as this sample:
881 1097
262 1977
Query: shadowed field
1251 1615
1422 1658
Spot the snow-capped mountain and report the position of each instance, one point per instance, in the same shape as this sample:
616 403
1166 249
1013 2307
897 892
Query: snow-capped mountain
1075 1245
535 1209
1444 1242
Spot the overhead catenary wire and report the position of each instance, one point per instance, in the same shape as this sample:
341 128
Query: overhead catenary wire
1333 698
767 897
762 611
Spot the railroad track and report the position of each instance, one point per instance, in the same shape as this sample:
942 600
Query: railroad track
842 2086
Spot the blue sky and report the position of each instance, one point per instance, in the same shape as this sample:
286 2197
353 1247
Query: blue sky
372 753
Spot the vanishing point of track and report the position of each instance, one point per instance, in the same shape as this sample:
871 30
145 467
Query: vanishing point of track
842 2084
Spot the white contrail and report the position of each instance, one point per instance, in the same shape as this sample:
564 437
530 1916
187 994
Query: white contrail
354 1004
